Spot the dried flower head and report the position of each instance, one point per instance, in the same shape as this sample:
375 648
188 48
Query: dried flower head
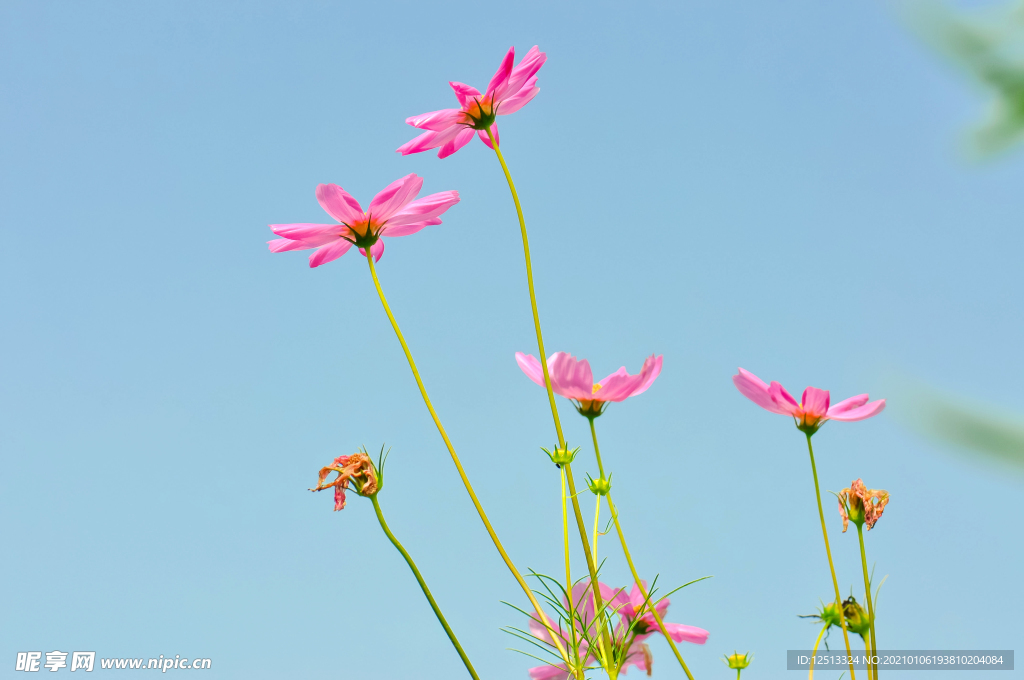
861 505
356 469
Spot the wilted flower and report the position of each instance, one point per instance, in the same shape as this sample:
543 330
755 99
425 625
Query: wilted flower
813 409
737 661
392 212
861 505
451 129
574 380
357 469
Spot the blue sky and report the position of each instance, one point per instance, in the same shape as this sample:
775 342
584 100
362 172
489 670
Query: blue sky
773 186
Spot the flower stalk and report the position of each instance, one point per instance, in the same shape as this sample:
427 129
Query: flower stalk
629 560
458 464
591 565
423 586
873 650
828 553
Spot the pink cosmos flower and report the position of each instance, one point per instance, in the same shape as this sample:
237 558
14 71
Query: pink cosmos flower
813 409
392 212
573 380
633 624
451 129
631 606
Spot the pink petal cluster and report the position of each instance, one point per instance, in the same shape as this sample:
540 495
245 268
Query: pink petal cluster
634 625
395 211
510 89
573 379
813 409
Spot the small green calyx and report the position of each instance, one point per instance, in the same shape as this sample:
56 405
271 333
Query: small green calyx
600 486
364 241
737 661
828 614
561 456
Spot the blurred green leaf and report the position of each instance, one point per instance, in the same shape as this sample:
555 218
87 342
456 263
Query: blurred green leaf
976 428
989 46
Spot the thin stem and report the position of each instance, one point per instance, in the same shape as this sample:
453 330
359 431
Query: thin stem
591 566
867 594
424 588
575 668
458 466
629 559
814 653
597 522
867 650
828 552
533 294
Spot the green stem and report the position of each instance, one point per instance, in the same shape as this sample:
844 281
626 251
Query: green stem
867 594
591 566
424 588
576 668
629 559
828 552
542 617
814 653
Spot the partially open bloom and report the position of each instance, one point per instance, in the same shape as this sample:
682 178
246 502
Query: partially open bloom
861 505
451 129
573 380
813 409
357 470
392 212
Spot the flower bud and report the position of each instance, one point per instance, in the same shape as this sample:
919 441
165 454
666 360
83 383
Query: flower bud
857 619
600 486
737 661
561 456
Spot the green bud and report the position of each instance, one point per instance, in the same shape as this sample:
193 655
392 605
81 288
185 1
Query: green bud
738 661
600 486
561 456
857 619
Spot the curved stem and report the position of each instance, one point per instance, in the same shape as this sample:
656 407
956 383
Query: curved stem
424 588
542 617
815 652
828 552
867 594
591 566
629 559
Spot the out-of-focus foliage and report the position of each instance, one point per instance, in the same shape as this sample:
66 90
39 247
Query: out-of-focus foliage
989 46
971 428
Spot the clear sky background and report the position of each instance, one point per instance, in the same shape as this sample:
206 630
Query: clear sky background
777 186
